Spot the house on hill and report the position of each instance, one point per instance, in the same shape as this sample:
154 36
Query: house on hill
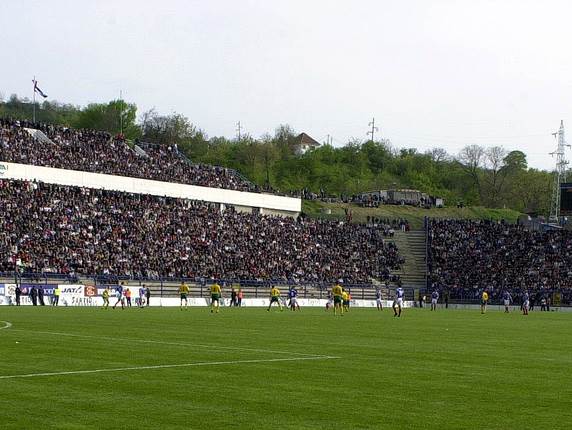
304 142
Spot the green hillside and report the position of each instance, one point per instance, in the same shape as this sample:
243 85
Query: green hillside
413 215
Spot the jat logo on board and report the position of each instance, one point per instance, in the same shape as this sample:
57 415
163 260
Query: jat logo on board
3 168
72 290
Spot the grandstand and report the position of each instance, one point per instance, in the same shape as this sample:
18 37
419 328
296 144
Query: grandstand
81 205
467 256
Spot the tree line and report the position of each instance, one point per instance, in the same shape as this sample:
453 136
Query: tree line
492 177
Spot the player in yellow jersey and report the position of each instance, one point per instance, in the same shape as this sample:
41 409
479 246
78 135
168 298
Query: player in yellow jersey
105 296
345 300
215 297
484 301
274 298
184 292
337 292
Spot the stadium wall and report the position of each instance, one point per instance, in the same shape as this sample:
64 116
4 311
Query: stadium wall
90 295
266 203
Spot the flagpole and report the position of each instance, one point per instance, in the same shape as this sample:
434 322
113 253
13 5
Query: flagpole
121 112
34 100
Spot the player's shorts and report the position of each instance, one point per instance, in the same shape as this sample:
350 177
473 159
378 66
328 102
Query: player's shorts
346 302
293 301
483 302
337 300
378 301
215 297
183 297
526 304
507 302
433 301
398 302
274 300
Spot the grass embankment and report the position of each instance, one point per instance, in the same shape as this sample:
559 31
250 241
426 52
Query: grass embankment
413 215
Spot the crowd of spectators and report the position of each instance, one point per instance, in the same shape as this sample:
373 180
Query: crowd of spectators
468 256
389 226
97 152
72 230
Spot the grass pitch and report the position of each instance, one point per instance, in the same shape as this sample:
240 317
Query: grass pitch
84 368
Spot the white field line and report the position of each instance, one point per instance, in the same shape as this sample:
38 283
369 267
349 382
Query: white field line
6 325
164 366
160 342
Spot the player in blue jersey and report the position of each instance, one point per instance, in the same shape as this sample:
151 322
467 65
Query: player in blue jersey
141 296
378 299
398 302
525 303
119 296
293 299
507 300
434 300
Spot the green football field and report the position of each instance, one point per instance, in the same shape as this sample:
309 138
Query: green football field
162 368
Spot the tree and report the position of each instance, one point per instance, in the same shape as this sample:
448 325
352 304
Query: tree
175 129
285 140
438 155
114 117
495 173
515 161
471 158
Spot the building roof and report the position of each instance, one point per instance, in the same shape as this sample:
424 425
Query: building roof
304 139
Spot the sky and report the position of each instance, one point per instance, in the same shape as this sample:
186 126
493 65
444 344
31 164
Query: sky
432 73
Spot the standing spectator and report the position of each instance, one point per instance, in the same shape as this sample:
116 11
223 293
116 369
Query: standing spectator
18 293
446 298
128 296
147 295
239 295
56 298
41 296
531 300
233 300
34 296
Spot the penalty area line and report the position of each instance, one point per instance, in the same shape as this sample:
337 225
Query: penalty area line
164 366
6 325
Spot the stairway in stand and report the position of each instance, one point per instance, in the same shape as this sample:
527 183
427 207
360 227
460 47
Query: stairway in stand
411 246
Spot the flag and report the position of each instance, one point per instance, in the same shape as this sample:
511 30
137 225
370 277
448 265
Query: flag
38 90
